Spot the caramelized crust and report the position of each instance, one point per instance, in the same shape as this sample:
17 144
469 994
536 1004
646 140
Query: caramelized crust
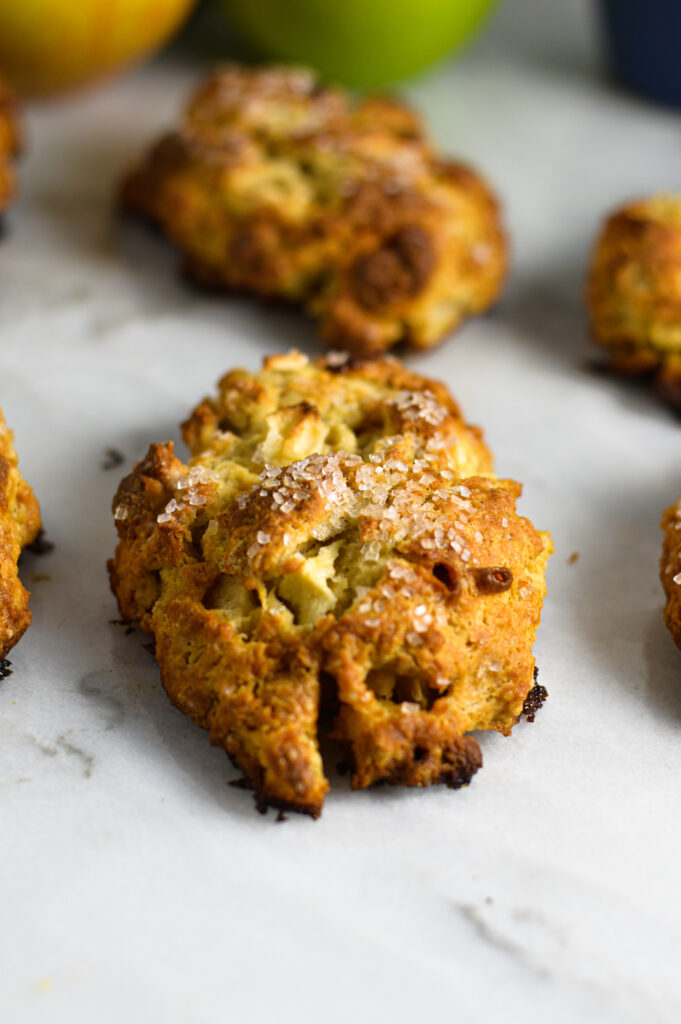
19 525
338 543
634 292
9 144
277 186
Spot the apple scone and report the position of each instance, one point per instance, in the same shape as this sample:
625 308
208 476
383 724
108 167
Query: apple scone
634 291
278 186
9 144
335 556
19 526
670 569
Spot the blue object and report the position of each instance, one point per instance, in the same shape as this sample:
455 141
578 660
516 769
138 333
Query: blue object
644 39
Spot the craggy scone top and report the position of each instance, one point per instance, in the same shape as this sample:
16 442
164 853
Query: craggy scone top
336 545
276 185
9 144
634 291
19 525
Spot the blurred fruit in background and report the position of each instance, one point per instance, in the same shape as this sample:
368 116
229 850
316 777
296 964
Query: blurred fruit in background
357 42
50 45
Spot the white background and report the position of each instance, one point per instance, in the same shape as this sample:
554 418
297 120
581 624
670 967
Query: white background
136 884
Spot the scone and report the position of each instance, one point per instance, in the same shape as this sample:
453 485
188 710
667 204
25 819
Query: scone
336 550
670 569
277 186
9 144
634 291
19 525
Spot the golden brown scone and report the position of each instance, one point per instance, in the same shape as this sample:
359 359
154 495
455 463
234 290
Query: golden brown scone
337 542
19 525
277 186
670 569
9 144
634 291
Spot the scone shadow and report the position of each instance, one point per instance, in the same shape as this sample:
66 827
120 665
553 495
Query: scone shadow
663 659
550 316
547 314
617 575
157 268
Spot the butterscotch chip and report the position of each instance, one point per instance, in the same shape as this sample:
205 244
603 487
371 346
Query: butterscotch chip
634 291
277 186
9 144
336 544
19 526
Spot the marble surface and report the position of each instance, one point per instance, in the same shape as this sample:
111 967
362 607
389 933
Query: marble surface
137 885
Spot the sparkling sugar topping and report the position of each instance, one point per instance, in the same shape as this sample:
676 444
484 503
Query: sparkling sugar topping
289 486
418 500
392 500
187 486
419 405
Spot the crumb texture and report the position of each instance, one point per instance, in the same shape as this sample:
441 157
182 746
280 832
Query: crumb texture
634 291
277 186
19 526
336 549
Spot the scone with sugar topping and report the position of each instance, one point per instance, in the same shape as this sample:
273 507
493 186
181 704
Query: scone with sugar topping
9 144
336 544
277 186
634 291
19 526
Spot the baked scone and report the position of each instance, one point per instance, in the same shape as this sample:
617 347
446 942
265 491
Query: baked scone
278 186
19 526
336 545
634 291
670 569
9 144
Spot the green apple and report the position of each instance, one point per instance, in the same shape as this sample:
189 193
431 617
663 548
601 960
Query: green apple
358 42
